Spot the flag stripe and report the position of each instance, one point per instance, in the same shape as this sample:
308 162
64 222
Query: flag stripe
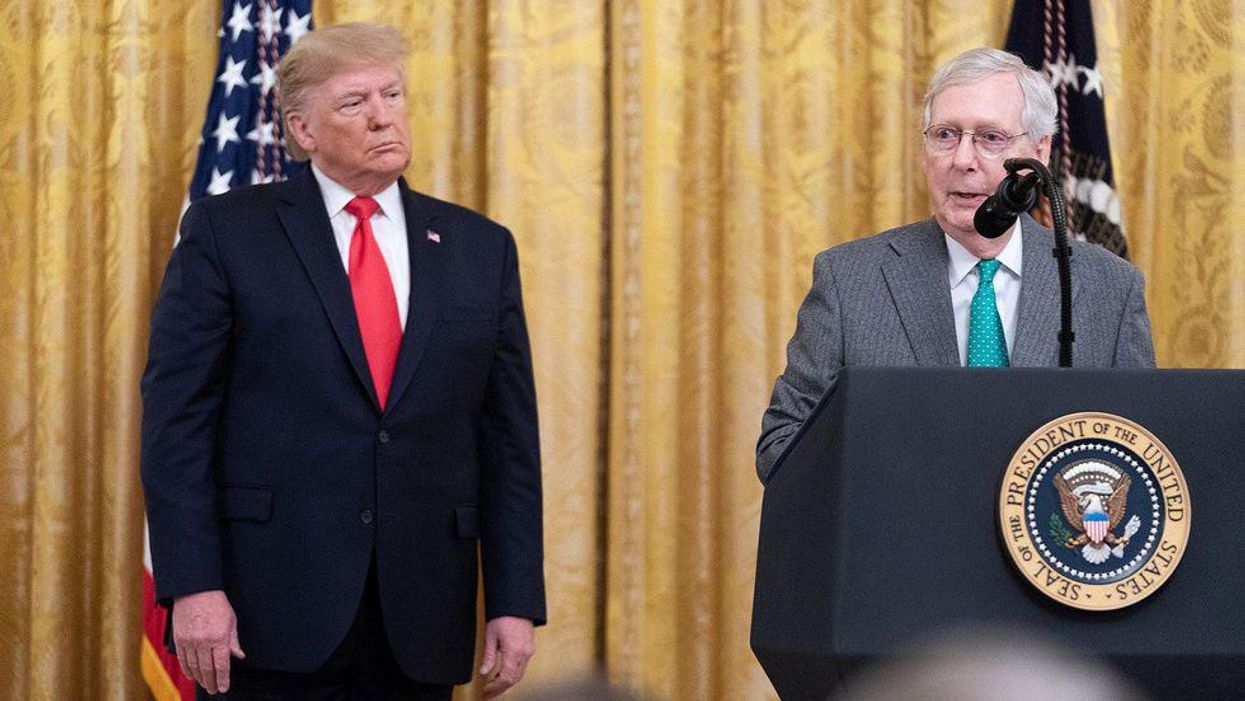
160 668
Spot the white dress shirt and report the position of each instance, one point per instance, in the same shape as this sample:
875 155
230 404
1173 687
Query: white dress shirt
388 227
964 279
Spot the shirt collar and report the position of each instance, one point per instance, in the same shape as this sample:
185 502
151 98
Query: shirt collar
336 196
962 262
1012 256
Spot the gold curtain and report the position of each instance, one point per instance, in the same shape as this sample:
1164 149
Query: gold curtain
98 128
669 168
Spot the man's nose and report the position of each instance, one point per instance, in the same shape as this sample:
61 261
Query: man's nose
379 115
965 154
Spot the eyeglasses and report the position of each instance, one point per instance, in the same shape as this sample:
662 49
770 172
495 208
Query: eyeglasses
941 138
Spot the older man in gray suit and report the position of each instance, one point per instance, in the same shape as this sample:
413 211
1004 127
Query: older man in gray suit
937 293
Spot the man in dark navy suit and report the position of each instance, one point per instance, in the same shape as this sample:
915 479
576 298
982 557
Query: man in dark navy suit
339 426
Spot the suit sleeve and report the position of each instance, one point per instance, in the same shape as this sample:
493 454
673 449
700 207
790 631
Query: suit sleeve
1134 347
182 389
814 357
511 514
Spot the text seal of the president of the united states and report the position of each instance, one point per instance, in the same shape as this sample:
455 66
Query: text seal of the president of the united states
1094 511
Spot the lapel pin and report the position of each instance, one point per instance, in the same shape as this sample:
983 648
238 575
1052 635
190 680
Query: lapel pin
434 236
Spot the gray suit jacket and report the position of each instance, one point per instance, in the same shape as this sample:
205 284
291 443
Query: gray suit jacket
885 301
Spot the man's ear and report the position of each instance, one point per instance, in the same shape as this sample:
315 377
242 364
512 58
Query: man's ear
1043 150
298 128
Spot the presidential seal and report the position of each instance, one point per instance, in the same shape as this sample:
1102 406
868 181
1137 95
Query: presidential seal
1094 511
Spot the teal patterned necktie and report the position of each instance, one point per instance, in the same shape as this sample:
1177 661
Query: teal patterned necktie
987 348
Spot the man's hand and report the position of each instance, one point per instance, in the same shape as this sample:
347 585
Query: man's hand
205 633
509 642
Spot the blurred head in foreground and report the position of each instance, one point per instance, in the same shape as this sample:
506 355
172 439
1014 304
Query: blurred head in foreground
990 665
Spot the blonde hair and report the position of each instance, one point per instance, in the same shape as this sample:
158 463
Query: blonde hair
321 54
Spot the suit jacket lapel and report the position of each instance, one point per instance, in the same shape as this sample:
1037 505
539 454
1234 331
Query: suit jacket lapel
301 211
429 261
920 265
1037 315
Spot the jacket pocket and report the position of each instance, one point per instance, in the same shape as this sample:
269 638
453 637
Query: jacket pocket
467 521
245 503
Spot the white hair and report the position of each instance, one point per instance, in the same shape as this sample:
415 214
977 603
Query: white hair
1040 111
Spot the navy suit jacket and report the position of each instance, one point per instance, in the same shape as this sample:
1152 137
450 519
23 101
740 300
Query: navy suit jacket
271 472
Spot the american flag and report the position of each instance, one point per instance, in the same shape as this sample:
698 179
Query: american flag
241 144
1057 37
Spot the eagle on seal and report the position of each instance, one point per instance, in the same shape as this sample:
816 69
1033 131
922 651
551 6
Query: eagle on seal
1094 497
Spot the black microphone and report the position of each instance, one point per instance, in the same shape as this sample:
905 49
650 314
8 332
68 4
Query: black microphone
1016 194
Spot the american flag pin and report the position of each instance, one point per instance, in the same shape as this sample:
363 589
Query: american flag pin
434 236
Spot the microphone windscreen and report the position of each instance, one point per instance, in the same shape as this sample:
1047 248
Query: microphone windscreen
993 218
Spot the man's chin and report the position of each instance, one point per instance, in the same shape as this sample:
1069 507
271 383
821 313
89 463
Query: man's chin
394 162
959 225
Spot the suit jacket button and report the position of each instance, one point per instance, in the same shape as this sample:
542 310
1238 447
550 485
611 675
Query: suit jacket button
383 436
366 517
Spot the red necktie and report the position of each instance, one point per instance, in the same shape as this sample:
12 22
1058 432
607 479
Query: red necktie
374 301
